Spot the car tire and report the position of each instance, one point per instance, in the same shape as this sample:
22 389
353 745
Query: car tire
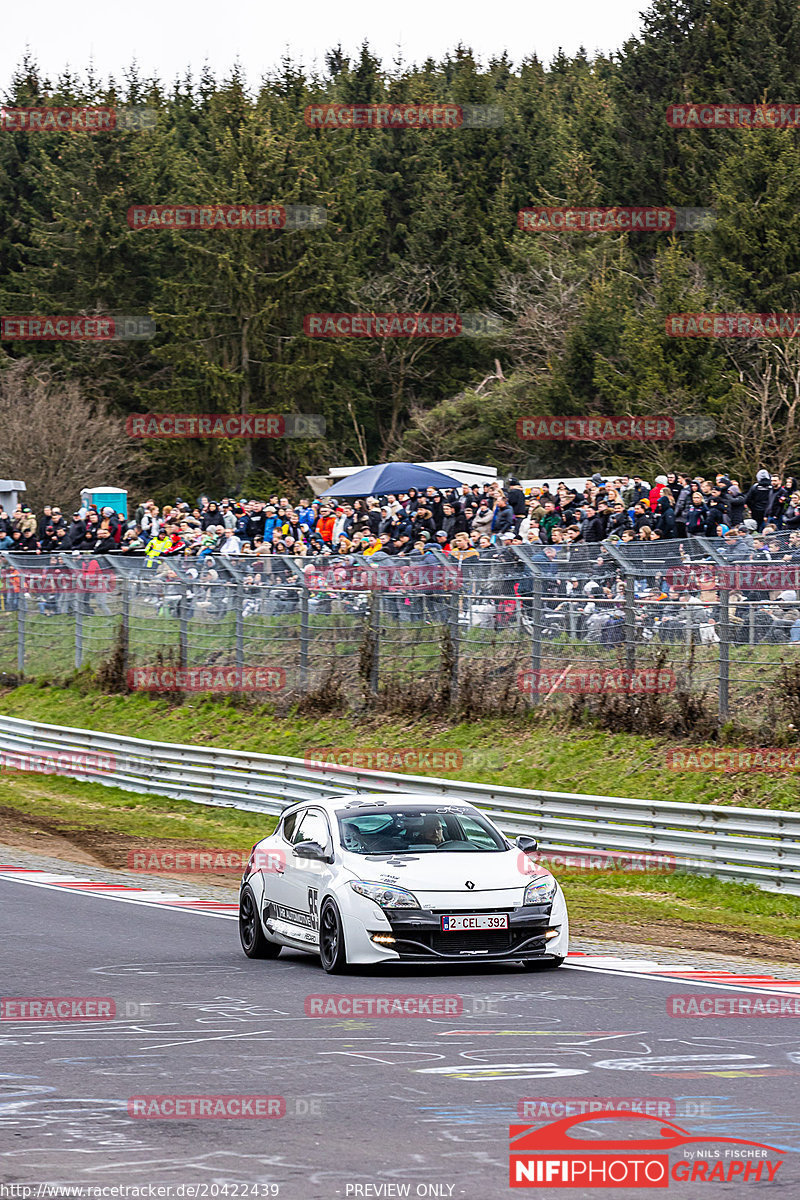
542 964
251 935
332 951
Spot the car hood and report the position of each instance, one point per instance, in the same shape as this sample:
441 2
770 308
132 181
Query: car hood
440 871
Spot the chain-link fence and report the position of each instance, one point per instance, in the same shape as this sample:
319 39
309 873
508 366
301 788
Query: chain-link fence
520 624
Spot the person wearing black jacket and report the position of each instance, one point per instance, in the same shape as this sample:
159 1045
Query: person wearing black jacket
516 498
76 532
684 500
503 518
592 525
434 503
697 516
665 515
619 520
736 503
422 523
716 514
776 503
758 498
48 539
453 522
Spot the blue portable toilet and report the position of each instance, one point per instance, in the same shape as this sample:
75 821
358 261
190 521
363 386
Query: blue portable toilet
106 497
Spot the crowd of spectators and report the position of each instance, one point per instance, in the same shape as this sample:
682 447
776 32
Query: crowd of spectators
463 522
568 533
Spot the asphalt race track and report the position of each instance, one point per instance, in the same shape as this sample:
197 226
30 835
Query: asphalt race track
381 1106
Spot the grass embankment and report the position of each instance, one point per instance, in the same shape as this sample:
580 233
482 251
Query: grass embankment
532 752
677 910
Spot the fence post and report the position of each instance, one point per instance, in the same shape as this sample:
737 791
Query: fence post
724 651
183 634
239 625
304 632
126 623
536 636
453 609
375 638
78 609
724 592
630 622
21 633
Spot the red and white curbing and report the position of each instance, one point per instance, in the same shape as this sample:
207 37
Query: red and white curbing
578 960
119 891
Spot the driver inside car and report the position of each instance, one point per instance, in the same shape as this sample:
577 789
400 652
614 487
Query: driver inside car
433 830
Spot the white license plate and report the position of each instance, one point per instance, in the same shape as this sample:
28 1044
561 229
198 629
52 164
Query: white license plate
465 921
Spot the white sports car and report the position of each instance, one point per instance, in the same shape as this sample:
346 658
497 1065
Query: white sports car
362 879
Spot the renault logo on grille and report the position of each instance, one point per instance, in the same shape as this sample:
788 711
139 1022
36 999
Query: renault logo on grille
470 884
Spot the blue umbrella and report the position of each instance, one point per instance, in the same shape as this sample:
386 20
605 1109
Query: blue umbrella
391 478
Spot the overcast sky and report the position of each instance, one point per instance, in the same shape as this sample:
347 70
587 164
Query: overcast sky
167 38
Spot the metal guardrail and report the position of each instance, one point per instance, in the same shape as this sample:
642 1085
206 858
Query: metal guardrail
753 845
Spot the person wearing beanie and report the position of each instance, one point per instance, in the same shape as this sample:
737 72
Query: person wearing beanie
758 498
655 492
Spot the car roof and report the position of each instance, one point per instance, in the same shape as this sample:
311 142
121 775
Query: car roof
355 800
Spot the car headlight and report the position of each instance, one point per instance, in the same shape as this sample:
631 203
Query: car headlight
383 894
541 890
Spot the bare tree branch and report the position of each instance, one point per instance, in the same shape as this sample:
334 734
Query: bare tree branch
56 440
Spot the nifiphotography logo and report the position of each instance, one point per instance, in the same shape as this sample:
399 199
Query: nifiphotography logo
562 1155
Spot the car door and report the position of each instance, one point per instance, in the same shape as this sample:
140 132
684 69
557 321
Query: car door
305 879
276 891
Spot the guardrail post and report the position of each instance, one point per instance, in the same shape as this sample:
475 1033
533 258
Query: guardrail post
21 632
240 625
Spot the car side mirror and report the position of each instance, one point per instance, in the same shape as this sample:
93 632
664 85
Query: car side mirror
311 850
527 844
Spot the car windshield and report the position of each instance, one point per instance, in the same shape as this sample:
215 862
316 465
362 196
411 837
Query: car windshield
421 830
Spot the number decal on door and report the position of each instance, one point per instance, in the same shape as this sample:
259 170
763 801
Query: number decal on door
312 907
